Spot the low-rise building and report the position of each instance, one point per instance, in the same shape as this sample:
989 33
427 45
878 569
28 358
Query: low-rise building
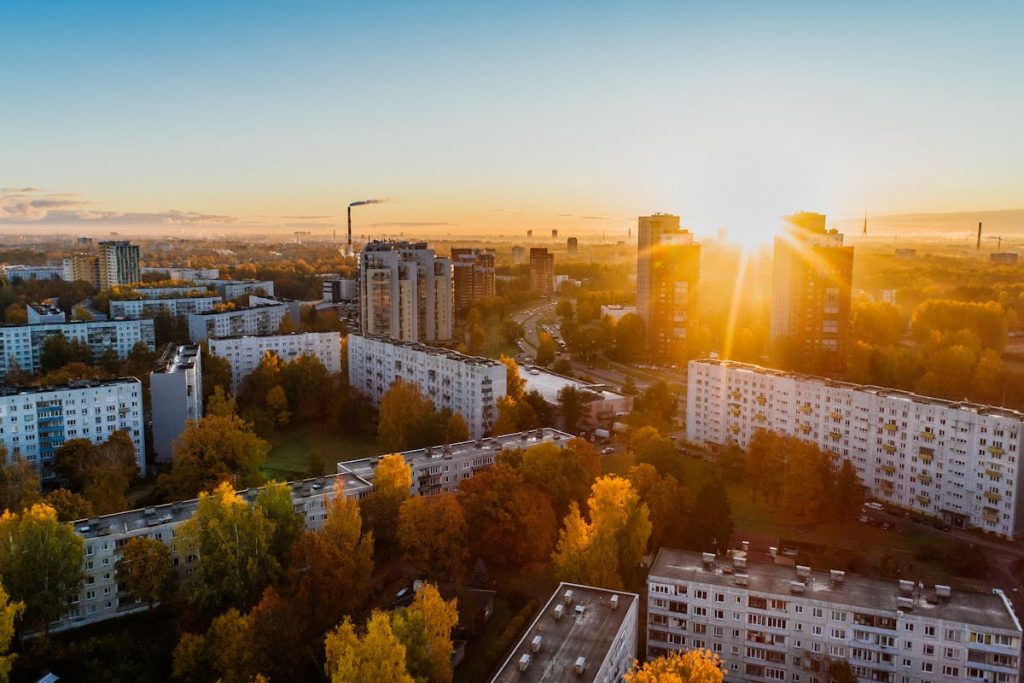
433 469
1004 257
601 405
582 634
617 312
55 272
178 307
35 421
468 385
250 320
45 312
232 289
339 289
780 623
950 459
294 307
23 344
170 291
185 274
244 353
176 396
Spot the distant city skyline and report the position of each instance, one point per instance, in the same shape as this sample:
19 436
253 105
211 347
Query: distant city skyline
203 118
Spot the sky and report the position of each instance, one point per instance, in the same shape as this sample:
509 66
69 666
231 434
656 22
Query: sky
206 117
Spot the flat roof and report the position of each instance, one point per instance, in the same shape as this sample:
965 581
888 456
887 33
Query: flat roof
587 633
431 350
6 390
45 309
239 309
884 392
855 591
274 334
548 384
177 357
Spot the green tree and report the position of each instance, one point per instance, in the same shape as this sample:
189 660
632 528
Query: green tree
41 562
19 482
9 611
571 403
231 542
216 373
57 352
224 653
275 499
565 474
949 373
668 503
476 336
432 535
711 529
69 506
103 473
221 403
425 629
146 569
630 338
214 449
405 418
376 655
545 349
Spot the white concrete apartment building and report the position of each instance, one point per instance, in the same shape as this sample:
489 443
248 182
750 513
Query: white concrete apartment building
118 264
185 274
54 272
405 292
179 307
232 289
582 634
601 408
771 622
45 312
35 421
262 319
468 385
171 291
244 353
23 344
105 537
176 396
294 307
950 459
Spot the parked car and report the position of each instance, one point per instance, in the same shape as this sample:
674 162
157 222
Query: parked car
877 507
607 451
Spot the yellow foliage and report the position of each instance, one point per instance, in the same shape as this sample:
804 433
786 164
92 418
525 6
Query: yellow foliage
694 666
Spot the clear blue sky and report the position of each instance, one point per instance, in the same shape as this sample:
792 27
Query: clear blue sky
509 116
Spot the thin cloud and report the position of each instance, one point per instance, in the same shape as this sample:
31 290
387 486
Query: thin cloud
595 218
25 206
408 224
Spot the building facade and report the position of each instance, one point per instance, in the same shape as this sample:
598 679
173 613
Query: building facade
811 289
667 280
243 354
582 633
264 319
178 307
176 396
572 245
171 291
473 275
10 272
339 289
23 344
45 312
232 289
601 406
35 421
467 385
118 264
84 267
405 292
293 307
434 469
542 271
772 622
617 312
948 459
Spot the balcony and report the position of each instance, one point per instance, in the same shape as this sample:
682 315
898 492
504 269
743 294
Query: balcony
835 434
889 448
886 485
735 429
806 409
928 436
991 516
760 417
761 400
994 474
924 478
889 470
734 411
836 415
924 499
993 496
926 455
890 427
996 451
734 394
805 429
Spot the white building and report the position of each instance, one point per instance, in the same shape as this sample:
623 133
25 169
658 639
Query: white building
176 396
185 274
617 312
602 405
338 289
405 292
244 353
582 633
293 306
232 289
35 421
118 264
771 622
264 319
950 459
55 272
433 470
150 307
467 385
172 291
45 312
23 344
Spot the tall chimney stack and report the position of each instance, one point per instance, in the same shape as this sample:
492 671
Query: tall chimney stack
978 245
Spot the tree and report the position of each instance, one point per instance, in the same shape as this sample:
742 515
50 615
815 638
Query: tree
275 499
19 482
41 562
391 486
630 338
565 474
221 403
376 655
80 312
146 569
514 383
101 473
571 403
306 381
69 506
425 629
514 522
545 349
667 501
949 373
9 611
765 465
989 384
224 653
693 666
216 374
455 429
712 527
840 671
277 404
432 535
230 541
475 335
57 352
877 323
405 418
214 449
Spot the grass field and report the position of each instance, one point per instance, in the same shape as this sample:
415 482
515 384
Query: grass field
290 449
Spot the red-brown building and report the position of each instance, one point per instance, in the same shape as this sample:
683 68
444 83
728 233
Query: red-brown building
473 275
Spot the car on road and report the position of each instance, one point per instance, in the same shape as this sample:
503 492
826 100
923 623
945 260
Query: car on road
607 451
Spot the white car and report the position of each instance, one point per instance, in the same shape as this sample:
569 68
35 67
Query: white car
877 507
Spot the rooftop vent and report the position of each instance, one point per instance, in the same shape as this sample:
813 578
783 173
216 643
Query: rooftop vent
614 602
773 551
580 666
579 610
905 603
797 587
739 560
803 571
745 545
906 586
708 559
741 579
536 643
944 592
524 662
559 611
568 597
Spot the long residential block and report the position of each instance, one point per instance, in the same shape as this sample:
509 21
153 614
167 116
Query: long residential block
261 319
23 344
177 306
244 353
950 459
467 385
782 623
35 421
434 470
232 289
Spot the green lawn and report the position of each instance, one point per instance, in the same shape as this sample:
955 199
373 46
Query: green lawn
290 449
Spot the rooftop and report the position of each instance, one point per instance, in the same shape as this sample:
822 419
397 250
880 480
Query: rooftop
588 632
176 358
274 335
239 309
979 408
548 384
431 350
45 308
6 390
982 609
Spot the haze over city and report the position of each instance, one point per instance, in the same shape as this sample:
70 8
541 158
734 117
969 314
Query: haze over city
483 119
